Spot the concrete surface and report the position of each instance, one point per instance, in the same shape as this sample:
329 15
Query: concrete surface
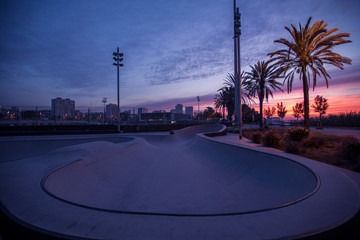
161 186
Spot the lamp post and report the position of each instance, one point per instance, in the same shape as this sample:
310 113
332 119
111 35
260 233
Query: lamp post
118 58
198 99
237 69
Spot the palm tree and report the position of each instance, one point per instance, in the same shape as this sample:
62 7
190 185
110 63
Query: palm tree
228 94
306 53
229 82
220 102
261 81
228 99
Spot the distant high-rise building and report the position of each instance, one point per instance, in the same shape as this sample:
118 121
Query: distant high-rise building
140 111
112 111
189 111
158 111
179 108
62 108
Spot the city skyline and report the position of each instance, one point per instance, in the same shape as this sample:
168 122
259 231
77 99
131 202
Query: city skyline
172 52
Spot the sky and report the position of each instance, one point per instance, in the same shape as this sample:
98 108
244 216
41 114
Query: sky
173 50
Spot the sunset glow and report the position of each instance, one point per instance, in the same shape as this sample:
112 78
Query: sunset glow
172 53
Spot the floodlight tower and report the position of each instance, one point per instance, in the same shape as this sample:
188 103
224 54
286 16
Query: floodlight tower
118 58
237 69
198 99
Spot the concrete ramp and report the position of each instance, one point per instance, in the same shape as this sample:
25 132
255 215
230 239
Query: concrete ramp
170 186
199 177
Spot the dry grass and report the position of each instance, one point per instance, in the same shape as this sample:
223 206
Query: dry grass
342 151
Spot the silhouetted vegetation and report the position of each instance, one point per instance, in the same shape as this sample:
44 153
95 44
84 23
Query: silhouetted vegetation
320 105
261 82
351 119
297 134
343 151
281 110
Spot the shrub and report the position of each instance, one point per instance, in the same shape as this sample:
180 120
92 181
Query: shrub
297 134
350 148
247 133
271 138
291 146
256 137
315 141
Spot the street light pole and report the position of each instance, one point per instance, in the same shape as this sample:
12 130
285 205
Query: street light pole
198 99
118 58
237 69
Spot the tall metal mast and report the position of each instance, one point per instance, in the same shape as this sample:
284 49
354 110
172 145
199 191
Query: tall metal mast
237 69
118 58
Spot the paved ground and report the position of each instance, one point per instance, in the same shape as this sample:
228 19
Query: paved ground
181 186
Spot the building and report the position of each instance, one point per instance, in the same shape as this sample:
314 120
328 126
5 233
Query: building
112 111
159 111
141 111
165 117
189 111
62 108
156 117
179 108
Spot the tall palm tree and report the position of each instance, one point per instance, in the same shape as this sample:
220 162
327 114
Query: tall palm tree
220 102
228 93
261 81
306 53
230 83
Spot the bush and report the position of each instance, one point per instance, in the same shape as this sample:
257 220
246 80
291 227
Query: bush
256 137
247 133
350 148
271 138
291 146
315 141
297 134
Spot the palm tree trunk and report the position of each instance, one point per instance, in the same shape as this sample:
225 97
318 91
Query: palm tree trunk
223 108
306 98
261 113
261 100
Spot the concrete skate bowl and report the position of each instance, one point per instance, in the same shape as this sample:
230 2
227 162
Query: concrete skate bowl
185 174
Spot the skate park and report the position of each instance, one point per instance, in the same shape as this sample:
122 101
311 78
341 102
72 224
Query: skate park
184 185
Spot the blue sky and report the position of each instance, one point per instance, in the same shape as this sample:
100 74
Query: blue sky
173 50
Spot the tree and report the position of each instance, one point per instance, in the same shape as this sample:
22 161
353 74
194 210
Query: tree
261 81
220 103
298 110
230 83
208 113
281 112
215 115
269 112
307 53
249 114
225 99
320 106
227 94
